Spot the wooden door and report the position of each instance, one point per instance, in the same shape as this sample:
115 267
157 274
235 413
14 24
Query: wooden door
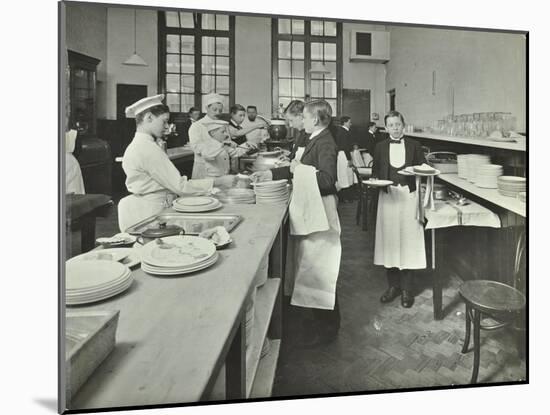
356 104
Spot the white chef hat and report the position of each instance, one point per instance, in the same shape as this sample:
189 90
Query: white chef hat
214 125
212 99
142 105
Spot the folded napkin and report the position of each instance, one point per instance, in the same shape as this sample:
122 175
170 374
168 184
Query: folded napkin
306 211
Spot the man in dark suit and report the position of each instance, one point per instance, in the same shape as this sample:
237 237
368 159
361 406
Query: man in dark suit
373 137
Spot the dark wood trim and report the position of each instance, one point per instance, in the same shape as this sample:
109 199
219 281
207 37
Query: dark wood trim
274 65
340 70
83 61
232 73
161 59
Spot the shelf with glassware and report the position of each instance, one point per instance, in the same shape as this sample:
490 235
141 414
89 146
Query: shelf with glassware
518 145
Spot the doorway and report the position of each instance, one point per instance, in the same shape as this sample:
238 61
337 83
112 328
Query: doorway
356 104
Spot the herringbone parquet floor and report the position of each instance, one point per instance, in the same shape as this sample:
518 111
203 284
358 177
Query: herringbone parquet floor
384 346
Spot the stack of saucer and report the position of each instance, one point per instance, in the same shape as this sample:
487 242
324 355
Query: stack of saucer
236 196
275 191
486 175
196 204
175 255
94 280
511 185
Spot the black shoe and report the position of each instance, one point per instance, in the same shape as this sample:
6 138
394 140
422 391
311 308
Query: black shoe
390 294
407 299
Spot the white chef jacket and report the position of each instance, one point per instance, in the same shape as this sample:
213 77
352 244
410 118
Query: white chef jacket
257 136
203 146
148 169
153 181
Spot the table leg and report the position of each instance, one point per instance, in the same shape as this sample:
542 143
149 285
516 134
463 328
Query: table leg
87 233
477 346
436 284
235 365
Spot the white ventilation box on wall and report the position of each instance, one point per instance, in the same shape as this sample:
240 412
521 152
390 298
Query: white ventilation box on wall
370 46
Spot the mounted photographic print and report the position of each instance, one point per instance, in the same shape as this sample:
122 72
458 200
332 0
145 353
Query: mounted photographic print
261 207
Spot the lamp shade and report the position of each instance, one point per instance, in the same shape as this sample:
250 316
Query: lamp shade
135 60
319 68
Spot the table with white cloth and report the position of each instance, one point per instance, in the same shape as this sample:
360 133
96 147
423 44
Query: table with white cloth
447 213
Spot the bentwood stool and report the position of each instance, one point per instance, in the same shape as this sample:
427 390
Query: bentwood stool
484 298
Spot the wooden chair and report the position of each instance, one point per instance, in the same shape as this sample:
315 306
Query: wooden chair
484 298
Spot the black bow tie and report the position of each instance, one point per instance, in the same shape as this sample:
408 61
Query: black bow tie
393 141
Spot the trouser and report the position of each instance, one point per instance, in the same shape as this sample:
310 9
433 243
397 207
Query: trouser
399 278
328 320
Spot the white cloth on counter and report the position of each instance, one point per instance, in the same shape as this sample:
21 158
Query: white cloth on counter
74 183
153 181
447 213
399 239
315 234
343 172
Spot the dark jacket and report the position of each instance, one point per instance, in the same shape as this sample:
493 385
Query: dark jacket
321 153
300 140
343 141
381 160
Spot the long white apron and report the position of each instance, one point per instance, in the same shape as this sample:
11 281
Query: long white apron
134 208
399 240
344 173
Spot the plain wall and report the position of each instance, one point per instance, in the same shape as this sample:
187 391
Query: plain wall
253 76
364 75
120 35
484 71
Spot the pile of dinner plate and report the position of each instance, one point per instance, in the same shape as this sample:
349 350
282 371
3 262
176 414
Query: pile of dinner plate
194 204
487 174
236 196
176 255
275 191
511 185
468 164
94 280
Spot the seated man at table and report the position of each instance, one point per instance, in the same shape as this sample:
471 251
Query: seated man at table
151 178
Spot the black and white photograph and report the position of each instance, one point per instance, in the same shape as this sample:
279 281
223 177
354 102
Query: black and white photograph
284 207
272 206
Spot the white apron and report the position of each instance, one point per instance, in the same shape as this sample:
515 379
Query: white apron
399 240
316 255
134 208
343 172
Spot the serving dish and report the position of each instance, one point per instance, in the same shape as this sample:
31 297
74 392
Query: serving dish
192 223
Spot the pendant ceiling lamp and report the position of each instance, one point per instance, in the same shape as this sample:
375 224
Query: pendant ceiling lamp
319 68
135 59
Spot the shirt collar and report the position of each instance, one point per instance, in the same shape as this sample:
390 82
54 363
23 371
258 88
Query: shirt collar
345 128
144 136
316 133
234 124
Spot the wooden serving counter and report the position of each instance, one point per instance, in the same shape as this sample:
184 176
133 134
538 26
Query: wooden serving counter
176 334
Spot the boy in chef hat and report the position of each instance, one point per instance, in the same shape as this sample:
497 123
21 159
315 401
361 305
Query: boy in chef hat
218 152
152 105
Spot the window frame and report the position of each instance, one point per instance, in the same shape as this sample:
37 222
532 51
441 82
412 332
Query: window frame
198 33
307 38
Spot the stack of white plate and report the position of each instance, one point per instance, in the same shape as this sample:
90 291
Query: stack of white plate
275 191
472 163
127 256
175 255
194 204
236 196
486 175
95 280
511 185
